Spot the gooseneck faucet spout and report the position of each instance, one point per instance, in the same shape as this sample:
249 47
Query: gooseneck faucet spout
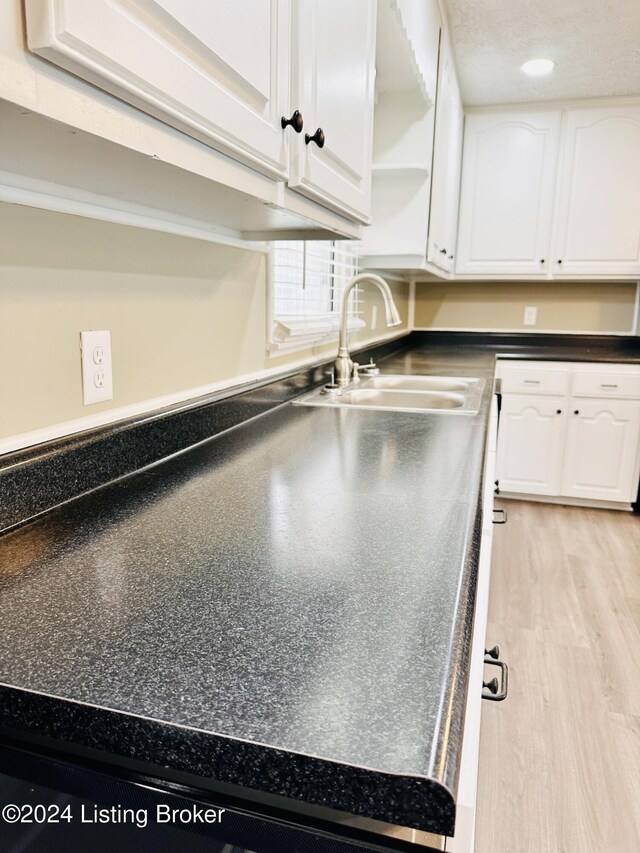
343 364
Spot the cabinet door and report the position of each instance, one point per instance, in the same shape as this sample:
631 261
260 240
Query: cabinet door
216 69
506 194
599 200
333 86
530 442
601 450
447 159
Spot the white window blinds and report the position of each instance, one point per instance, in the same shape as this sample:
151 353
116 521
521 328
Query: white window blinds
307 281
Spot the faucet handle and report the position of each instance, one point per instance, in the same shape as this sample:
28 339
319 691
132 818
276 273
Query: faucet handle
332 374
370 369
331 389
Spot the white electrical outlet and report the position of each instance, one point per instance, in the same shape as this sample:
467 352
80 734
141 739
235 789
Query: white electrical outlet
530 315
97 376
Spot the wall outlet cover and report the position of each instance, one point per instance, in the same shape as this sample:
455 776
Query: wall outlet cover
97 375
530 315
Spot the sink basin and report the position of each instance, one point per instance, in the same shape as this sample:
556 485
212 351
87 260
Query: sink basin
400 393
417 383
407 401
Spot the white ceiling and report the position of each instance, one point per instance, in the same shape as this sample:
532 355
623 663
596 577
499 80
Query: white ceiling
595 43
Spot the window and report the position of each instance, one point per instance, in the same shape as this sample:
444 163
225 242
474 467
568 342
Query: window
307 280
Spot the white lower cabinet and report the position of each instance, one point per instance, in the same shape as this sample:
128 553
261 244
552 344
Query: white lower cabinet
582 445
601 448
531 438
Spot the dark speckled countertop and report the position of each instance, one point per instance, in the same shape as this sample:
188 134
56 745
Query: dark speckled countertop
286 607
302 583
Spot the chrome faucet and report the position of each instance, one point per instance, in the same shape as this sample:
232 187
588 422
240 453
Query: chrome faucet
346 371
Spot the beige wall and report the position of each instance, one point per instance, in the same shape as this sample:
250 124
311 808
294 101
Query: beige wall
182 314
562 306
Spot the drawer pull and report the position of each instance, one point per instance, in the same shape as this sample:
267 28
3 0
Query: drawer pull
531 381
504 516
604 385
496 695
492 653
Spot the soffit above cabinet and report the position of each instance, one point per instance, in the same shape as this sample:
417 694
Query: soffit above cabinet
594 45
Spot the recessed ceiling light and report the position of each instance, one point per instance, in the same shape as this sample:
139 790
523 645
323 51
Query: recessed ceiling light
538 67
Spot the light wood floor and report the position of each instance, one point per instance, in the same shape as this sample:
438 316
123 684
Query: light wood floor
560 758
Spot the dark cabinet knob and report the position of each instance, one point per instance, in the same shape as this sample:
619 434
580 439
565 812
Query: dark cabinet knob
541 260
560 261
492 653
443 251
492 686
318 138
576 411
450 257
558 411
295 121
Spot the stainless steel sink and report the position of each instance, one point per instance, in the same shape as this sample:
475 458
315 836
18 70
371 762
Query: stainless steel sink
408 401
400 393
418 383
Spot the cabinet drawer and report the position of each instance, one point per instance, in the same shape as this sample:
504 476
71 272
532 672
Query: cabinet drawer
529 380
605 384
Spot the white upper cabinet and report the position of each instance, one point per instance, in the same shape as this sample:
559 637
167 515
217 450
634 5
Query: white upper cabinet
447 157
224 74
598 223
216 69
407 79
333 80
506 196
520 215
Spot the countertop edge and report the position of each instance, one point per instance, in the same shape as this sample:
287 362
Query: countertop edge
26 716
